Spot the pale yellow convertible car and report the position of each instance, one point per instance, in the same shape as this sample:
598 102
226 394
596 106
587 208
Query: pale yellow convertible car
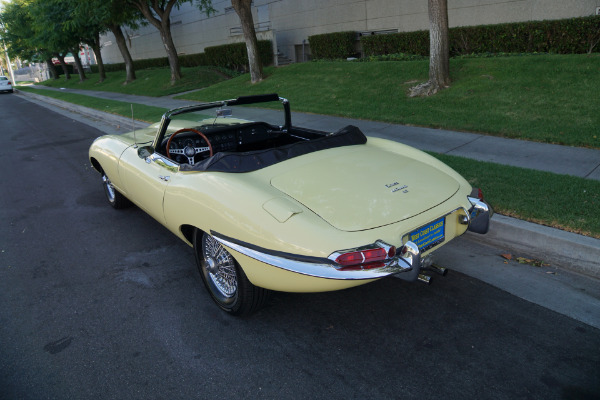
271 206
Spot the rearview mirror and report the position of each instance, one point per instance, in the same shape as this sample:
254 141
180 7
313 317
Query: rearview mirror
224 112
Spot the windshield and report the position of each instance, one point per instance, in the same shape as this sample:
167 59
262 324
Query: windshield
242 110
271 113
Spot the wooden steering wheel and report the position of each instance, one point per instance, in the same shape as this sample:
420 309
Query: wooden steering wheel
189 151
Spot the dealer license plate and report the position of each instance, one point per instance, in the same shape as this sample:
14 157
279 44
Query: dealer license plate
429 235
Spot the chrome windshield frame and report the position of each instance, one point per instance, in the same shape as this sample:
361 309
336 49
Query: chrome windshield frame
166 118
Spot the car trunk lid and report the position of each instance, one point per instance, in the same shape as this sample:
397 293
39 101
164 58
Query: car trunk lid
366 188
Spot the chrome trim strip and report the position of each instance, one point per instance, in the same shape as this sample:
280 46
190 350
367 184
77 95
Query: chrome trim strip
164 162
378 244
412 256
410 261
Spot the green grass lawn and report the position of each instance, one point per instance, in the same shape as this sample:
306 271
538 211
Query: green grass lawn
561 201
545 98
149 82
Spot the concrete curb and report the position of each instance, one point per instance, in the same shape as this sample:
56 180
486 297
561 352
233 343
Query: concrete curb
113 119
559 248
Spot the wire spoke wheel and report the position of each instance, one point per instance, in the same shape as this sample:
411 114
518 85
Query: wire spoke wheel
220 266
225 280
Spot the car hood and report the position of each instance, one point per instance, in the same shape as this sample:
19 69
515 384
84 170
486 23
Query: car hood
366 188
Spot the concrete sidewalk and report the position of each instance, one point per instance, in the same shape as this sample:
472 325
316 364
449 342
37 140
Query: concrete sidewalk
564 249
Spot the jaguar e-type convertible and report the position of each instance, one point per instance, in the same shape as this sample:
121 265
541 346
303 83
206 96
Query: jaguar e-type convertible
267 205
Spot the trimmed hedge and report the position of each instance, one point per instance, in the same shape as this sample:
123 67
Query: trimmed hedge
564 36
331 46
137 64
59 70
233 56
416 42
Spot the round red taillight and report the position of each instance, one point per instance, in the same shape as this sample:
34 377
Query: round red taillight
392 252
403 251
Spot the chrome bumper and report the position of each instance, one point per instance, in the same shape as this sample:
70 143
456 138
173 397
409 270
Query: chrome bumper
318 267
479 215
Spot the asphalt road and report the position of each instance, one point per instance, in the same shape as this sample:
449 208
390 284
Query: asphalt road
105 304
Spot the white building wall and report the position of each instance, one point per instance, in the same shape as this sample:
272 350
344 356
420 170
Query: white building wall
295 20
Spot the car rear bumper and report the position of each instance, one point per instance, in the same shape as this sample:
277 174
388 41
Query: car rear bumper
409 260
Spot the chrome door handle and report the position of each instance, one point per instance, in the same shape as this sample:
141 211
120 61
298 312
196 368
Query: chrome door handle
164 178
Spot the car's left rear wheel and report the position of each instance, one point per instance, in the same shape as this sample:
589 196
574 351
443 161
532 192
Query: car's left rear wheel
225 279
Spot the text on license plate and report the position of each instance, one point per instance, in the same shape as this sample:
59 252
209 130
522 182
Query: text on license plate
429 235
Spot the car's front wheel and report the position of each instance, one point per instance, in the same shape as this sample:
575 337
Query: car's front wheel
224 278
116 199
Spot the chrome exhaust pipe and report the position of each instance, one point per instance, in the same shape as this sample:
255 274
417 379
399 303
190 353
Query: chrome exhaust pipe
438 270
427 264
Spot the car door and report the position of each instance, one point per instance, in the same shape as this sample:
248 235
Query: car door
146 179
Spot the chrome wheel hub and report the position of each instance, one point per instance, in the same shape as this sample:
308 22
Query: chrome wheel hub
211 265
220 267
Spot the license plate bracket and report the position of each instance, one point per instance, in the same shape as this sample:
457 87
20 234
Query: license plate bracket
429 235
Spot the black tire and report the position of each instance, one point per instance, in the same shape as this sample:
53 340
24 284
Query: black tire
115 199
224 279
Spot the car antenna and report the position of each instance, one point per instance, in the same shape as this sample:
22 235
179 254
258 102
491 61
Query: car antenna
133 124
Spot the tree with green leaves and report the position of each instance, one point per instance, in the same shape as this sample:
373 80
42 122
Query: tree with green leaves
66 35
158 13
84 19
103 16
18 34
21 37
17 30
243 8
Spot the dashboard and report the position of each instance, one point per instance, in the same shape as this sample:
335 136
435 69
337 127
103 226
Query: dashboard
234 138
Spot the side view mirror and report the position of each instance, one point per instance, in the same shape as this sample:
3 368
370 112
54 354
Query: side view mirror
145 152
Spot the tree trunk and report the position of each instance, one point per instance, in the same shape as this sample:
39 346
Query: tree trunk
96 48
52 68
243 8
165 35
120 38
80 71
439 51
61 60
439 62
159 16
